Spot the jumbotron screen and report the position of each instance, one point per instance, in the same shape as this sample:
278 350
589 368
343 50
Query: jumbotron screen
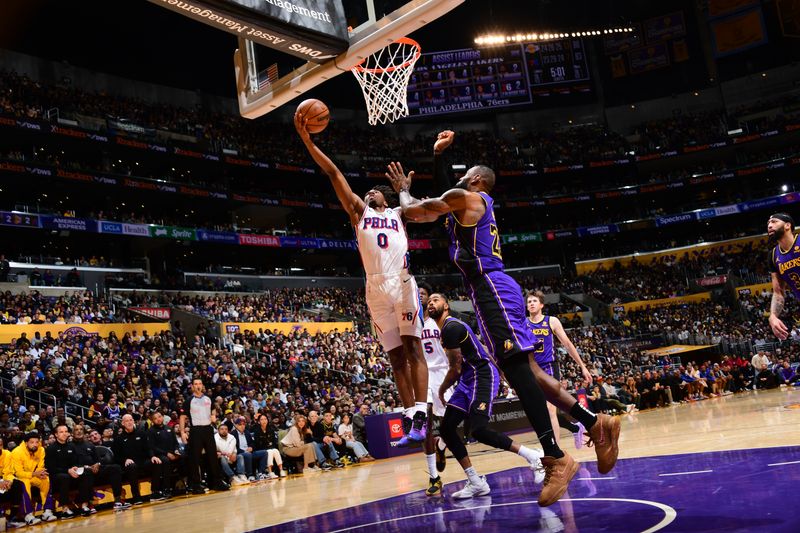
467 80
478 79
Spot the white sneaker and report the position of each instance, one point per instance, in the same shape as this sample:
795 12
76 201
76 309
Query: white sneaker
538 471
31 520
261 477
272 475
251 479
49 516
282 473
471 491
237 480
313 469
578 436
244 479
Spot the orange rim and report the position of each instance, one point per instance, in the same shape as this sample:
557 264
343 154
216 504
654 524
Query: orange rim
380 70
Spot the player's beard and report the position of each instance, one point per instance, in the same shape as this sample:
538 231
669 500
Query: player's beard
435 313
776 235
462 184
372 202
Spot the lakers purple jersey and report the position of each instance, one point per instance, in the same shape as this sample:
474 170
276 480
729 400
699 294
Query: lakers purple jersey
477 362
475 248
787 265
544 352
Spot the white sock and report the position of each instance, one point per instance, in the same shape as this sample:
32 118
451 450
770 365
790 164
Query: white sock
420 407
473 476
441 444
432 465
408 412
530 455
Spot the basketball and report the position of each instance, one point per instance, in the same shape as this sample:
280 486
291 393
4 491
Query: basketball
317 114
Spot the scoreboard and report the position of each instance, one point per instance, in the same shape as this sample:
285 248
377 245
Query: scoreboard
478 79
556 62
468 79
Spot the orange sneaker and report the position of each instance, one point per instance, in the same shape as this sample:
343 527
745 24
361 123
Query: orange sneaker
557 475
604 436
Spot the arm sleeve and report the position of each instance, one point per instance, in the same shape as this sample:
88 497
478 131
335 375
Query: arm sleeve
453 334
441 174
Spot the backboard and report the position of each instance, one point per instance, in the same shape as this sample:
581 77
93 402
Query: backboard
261 88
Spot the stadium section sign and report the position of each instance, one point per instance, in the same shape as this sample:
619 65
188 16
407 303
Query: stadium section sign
315 30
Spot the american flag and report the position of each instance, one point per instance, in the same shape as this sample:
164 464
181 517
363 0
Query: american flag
268 77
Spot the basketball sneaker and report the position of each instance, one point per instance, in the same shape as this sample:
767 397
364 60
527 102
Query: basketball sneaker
405 440
604 436
557 475
418 427
473 490
441 459
578 436
434 487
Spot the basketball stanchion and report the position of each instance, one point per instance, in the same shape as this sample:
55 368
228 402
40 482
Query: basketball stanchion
383 77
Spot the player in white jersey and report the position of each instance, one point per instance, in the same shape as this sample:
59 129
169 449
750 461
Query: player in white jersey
392 296
437 370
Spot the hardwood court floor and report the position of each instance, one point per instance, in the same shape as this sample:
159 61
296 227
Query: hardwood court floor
748 420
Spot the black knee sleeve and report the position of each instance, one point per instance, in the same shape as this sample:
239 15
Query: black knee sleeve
484 435
447 430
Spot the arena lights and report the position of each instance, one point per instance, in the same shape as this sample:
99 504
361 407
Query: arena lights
497 39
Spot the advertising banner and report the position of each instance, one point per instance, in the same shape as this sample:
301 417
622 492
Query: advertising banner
286 328
161 313
220 237
68 223
314 30
13 331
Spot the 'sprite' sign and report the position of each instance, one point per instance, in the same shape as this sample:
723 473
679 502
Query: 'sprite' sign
314 30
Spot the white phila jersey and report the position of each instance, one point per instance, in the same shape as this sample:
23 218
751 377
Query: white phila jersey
432 346
382 241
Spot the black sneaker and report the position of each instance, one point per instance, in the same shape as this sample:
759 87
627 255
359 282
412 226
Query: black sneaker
157 496
441 459
121 506
407 423
197 490
221 486
137 500
87 511
325 466
66 514
338 464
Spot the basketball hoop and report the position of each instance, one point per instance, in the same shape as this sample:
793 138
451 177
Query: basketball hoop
383 77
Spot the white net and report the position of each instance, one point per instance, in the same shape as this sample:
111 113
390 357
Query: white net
384 76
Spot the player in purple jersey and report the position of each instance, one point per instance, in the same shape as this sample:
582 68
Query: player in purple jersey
476 383
784 264
500 309
544 328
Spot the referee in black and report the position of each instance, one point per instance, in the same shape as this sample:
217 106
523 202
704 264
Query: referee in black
197 410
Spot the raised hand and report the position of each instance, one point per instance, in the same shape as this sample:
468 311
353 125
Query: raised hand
397 177
301 125
443 140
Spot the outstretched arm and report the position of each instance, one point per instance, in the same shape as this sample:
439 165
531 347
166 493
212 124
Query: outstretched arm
351 203
426 210
558 330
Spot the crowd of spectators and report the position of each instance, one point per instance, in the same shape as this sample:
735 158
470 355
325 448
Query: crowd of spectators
25 97
677 274
34 308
